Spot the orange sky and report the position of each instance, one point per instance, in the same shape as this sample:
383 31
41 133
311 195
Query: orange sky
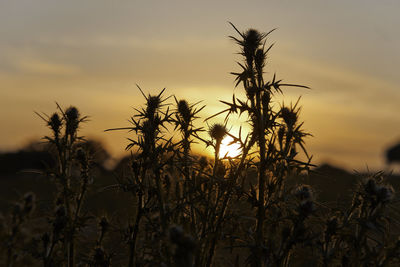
92 53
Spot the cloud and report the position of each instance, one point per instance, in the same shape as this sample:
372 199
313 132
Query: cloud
36 66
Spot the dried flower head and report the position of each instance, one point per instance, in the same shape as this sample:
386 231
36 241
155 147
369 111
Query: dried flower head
184 110
217 132
153 103
252 40
72 113
289 116
72 117
55 122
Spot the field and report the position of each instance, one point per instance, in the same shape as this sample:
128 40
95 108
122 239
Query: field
267 205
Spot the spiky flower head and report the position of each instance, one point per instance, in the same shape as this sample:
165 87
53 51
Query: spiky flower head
153 103
252 39
217 132
55 123
289 117
184 110
72 116
72 113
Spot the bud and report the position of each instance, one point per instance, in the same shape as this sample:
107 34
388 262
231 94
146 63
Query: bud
55 123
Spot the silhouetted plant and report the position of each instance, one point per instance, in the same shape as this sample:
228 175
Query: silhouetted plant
194 211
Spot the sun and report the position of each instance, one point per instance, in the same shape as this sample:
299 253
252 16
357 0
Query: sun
227 150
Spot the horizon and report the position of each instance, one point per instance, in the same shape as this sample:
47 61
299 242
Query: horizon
91 57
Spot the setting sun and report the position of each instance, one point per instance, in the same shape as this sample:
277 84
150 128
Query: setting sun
227 150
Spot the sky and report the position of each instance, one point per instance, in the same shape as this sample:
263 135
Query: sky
92 53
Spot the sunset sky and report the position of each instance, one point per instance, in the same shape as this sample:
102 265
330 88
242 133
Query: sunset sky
91 54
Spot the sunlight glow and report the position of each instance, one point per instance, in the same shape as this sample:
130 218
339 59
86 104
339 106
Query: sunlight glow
227 150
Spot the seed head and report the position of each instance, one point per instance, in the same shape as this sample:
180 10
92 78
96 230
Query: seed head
72 114
252 39
289 117
55 122
217 132
153 103
184 110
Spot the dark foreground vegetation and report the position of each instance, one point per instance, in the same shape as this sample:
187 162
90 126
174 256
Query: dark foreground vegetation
165 206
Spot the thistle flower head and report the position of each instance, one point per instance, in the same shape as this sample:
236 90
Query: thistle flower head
252 39
55 122
72 113
217 132
72 117
289 116
184 110
153 103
